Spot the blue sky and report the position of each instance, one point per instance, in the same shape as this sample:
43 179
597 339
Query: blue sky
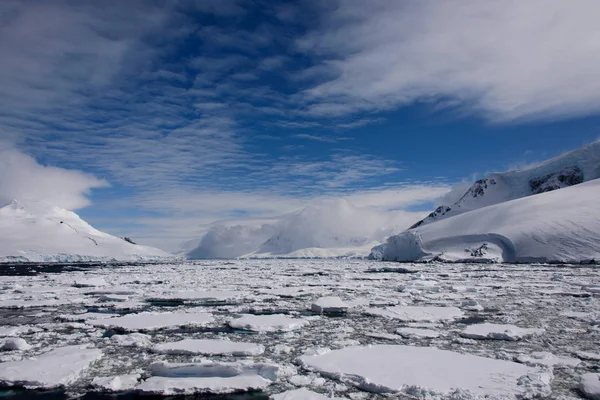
155 118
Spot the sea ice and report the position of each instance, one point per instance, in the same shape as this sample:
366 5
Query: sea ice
199 296
415 333
299 394
330 304
498 332
56 368
268 323
132 340
471 305
389 368
150 321
15 344
548 359
209 347
118 383
590 385
208 377
418 313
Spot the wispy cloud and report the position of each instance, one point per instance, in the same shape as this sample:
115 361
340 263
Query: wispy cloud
321 138
505 60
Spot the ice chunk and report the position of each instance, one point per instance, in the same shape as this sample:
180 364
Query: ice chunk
416 333
89 282
209 347
15 344
471 305
548 359
118 383
389 368
199 296
299 394
209 377
329 304
150 321
86 316
268 323
56 368
418 313
132 340
590 386
498 332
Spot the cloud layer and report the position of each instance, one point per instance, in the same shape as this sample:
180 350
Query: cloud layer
505 60
22 178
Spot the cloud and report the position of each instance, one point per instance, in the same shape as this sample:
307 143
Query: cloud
22 178
321 138
508 60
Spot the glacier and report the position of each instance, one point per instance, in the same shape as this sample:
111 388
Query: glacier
561 226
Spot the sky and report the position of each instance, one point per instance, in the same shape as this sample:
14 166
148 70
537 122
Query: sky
155 118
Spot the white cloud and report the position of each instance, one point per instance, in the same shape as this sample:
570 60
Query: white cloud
22 178
508 60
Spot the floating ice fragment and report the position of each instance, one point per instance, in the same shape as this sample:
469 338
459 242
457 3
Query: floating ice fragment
209 377
417 313
389 368
299 394
548 359
331 304
118 383
416 333
132 340
15 344
209 347
498 332
150 321
56 368
590 385
268 323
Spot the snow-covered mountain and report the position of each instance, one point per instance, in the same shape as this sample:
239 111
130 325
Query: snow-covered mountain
325 230
568 169
38 231
555 226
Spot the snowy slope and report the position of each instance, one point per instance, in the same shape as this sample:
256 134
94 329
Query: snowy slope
574 167
325 230
557 226
38 231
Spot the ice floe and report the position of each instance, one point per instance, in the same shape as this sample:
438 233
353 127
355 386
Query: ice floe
56 368
590 386
15 344
425 370
208 377
132 340
418 313
268 323
299 394
117 383
498 332
417 333
329 305
150 321
548 359
209 347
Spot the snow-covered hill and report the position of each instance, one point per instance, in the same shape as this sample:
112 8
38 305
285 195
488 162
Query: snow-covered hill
325 230
38 231
555 226
574 167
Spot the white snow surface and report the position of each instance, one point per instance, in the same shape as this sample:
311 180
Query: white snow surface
117 383
558 226
417 313
209 377
577 166
329 304
150 321
389 368
56 368
40 232
299 394
268 323
590 386
209 347
498 332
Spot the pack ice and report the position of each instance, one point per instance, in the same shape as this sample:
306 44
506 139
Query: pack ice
427 372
